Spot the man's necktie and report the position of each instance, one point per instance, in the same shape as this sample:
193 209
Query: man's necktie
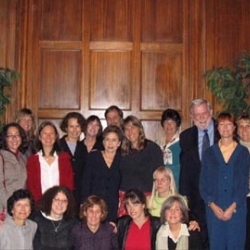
205 142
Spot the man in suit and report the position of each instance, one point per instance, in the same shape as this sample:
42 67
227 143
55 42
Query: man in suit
191 141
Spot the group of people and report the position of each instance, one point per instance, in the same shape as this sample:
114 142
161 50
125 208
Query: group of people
186 190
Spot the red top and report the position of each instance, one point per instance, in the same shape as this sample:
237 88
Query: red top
34 174
138 238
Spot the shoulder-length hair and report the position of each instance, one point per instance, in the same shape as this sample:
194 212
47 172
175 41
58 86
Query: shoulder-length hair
19 195
26 112
24 143
172 188
126 144
113 129
38 144
136 196
72 115
93 118
168 203
90 202
45 202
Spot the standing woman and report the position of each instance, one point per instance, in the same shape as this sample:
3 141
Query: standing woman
25 118
13 173
224 186
170 145
55 218
102 175
140 158
243 131
73 125
93 132
17 231
49 166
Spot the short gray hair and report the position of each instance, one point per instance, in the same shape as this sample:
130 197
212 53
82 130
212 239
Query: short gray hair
198 102
168 203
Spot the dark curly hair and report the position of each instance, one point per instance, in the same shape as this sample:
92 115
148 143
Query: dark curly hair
24 143
19 195
45 202
38 145
79 117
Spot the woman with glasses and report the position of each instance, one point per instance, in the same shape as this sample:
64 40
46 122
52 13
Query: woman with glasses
55 217
49 166
13 173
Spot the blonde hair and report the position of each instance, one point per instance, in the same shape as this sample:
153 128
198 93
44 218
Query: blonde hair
172 188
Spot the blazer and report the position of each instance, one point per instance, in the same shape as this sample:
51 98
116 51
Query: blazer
190 172
34 174
78 161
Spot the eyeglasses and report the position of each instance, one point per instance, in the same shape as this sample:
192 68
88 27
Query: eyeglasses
13 136
58 201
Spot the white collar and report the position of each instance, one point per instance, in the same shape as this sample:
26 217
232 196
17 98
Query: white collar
183 232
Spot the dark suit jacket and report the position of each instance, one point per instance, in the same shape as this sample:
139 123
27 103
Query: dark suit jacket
190 172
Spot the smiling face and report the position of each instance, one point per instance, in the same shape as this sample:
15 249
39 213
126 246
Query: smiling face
21 210
113 118
111 142
73 130
132 133
47 136
59 205
170 127
135 210
201 115
226 129
173 215
26 123
13 139
93 129
243 129
93 215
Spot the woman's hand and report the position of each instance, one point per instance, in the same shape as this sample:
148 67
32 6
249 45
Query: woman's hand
218 212
194 225
115 227
228 213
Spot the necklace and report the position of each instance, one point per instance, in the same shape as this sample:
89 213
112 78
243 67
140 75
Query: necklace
56 227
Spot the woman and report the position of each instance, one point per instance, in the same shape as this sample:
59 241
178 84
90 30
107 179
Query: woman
173 233
163 187
170 146
17 231
137 230
49 166
55 219
224 186
93 131
243 131
73 125
140 158
13 173
102 175
93 233
25 118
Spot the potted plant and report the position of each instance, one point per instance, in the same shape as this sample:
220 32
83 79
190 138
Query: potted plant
7 77
231 85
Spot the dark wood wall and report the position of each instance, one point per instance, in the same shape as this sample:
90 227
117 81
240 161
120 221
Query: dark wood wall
142 55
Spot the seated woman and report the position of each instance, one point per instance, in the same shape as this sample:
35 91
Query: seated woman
93 233
173 233
55 218
102 175
17 231
163 187
137 230
49 166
